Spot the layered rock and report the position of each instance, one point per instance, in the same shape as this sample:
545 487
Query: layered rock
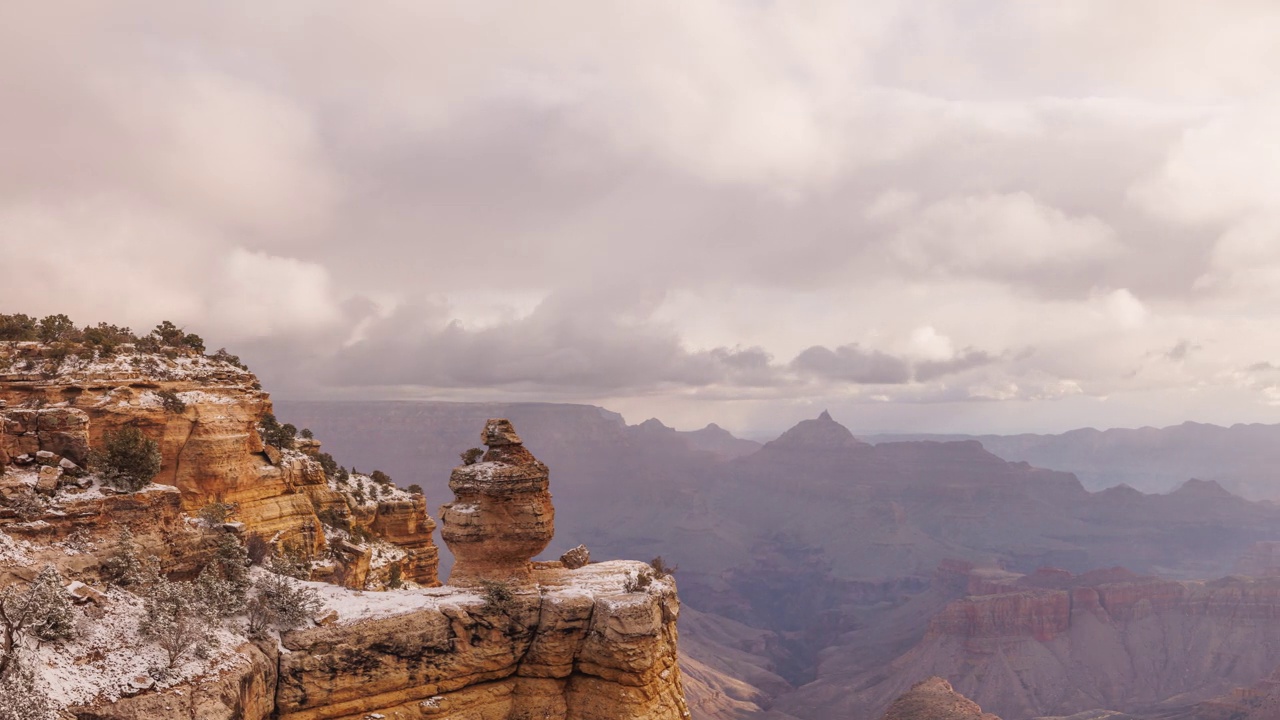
580 647
1053 643
209 441
501 516
935 699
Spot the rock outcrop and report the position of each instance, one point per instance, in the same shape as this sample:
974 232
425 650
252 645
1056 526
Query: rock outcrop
204 413
578 647
501 516
513 640
935 699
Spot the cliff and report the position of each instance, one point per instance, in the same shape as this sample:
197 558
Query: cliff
1053 643
511 639
205 414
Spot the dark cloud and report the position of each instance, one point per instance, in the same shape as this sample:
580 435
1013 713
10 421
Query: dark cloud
850 363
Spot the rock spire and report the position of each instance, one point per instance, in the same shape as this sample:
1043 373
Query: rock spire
501 515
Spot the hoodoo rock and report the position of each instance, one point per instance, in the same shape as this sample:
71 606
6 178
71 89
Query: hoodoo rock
501 516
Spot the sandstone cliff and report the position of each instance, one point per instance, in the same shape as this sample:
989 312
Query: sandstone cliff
205 415
520 640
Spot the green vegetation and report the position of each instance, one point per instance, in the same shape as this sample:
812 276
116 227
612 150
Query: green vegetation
275 434
104 340
127 460
171 403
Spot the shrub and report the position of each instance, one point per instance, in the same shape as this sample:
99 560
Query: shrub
380 477
171 403
42 611
472 456
231 564
342 476
329 465
223 356
18 327
498 596
128 459
280 603
21 697
54 328
273 433
216 513
661 569
106 338
178 619
415 488
638 582
306 433
124 568
395 579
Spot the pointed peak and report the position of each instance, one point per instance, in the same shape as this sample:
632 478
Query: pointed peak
821 432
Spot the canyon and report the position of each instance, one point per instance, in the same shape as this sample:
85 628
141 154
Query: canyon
810 565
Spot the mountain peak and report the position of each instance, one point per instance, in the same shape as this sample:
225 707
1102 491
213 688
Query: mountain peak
823 432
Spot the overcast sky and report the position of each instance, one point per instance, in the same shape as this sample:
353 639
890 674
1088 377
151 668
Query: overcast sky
938 216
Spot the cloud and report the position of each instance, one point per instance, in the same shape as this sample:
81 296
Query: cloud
1011 235
727 207
850 363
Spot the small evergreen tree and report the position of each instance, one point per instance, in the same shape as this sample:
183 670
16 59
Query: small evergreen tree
280 603
124 568
128 460
178 619
41 610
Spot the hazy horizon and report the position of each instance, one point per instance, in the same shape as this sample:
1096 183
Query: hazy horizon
976 217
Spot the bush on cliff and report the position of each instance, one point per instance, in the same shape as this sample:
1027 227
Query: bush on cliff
171 403
18 327
127 460
178 619
279 602
273 433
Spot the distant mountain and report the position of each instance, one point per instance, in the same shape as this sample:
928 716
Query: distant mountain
1244 459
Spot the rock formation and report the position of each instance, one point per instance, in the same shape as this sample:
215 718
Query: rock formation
516 640
501 516
211 451
935 699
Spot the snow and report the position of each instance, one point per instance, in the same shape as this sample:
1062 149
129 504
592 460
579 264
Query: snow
107 654
123 365
352 605
14 552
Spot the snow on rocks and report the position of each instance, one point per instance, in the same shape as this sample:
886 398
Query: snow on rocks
107 657
13 552
353 605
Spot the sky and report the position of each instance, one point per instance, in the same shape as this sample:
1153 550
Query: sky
933 216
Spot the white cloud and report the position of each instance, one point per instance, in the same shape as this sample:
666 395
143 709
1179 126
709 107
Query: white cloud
1000 234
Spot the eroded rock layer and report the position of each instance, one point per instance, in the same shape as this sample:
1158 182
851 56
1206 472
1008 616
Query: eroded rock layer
577 648
501 516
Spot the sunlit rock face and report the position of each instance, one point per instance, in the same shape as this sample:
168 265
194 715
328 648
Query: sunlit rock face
501 516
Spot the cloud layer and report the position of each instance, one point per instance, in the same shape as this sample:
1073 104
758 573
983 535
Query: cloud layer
933 215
